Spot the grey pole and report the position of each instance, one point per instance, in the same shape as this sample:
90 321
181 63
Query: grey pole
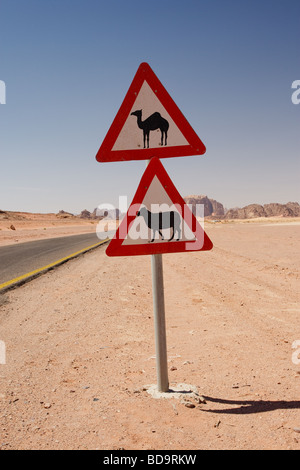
159 322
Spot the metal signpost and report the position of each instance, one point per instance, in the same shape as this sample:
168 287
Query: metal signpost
159 323
158 294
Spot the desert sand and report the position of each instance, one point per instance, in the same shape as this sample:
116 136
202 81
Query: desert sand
80 353
25 226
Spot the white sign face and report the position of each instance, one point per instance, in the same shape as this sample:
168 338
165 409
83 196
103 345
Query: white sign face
158 219
148 118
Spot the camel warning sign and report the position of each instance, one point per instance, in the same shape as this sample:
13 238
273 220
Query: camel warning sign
148 124
158 220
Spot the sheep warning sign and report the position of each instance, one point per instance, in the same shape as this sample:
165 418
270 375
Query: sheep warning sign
158 220
148 120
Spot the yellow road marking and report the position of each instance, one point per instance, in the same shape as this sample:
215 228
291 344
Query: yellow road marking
36 271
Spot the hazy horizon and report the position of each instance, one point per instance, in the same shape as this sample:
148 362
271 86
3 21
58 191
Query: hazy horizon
226 209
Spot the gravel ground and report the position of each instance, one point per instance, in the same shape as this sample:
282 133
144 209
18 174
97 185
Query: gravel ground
80 355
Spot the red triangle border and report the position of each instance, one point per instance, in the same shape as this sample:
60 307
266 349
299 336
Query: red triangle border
195 147
115 248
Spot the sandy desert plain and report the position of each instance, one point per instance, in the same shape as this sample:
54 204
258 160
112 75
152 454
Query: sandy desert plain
80 353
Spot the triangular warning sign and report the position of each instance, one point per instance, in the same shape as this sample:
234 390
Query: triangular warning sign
158 220
148 124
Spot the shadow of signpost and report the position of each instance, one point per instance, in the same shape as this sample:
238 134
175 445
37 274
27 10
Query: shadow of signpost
250 406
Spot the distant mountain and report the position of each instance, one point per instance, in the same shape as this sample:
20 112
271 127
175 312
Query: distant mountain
64 215
291 209
100 214
9 215
211 206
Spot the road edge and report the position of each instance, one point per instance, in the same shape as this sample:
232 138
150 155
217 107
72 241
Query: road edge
21 280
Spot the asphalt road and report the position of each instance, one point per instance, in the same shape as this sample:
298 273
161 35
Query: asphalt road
17 260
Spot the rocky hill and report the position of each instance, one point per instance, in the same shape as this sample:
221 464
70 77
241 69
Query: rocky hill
291 209
8 215
64 215
211 206
212 209
100 214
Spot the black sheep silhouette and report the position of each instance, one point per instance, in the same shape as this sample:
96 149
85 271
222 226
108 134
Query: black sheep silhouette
153 122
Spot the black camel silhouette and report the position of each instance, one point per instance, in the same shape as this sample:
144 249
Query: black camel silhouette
160 221
153 122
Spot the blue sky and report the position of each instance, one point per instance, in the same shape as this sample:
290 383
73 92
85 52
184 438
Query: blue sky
67 65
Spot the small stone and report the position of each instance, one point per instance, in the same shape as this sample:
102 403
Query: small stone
173 368
189 404
201 400
47 405
297 430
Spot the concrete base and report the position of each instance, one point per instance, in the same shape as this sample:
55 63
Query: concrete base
179 391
